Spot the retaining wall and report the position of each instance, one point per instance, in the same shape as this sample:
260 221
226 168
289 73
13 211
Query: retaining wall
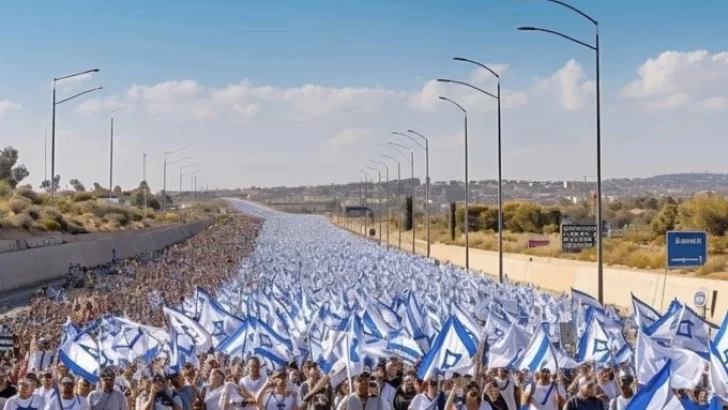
25 268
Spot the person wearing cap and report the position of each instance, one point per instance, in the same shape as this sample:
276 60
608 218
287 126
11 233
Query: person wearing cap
543 393
276 394
25 399
160 397
360 399
627 393
585 398
107 398
68 399
430 399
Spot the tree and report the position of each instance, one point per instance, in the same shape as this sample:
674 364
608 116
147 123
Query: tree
77 185
665 220
117 191
10 172
704 212
100 191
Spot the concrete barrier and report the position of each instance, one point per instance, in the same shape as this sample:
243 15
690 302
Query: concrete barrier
21 269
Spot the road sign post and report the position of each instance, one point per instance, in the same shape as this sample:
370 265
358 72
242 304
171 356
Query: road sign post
684 249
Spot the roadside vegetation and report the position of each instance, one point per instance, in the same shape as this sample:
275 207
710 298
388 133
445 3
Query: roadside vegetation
76 210
638 227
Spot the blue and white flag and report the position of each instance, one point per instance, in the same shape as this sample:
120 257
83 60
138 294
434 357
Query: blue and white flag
656 393
692 332
81 356
451 351
644 314
188 331
405 347
213 318
594 344
650 356
585 299
540 353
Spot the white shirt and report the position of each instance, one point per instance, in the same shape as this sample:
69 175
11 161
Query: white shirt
46 394
273 401
538 396
610 389
387 393
483 406
423 402
76 403
255 386
35 401
215 399
619 403
507 387
353 402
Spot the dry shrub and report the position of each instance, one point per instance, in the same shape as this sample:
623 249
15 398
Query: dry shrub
119 219
28 193
50 224
37 226
83 196
18 204
5 190
713 265
34 211
173 217
21 221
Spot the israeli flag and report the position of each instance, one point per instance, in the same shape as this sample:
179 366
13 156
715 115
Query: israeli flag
41 360
650 356
656 393
507 352
692 332
272 346
540 353
81 356
718 369
584 298
451 351
644 314
405 347
594 344
239 342
189 332
214 319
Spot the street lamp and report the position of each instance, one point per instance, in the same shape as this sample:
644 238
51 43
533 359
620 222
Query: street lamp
366 211
166 164
411 160
111 151
386 194
467 194
379 173
53 117
399 189
180 175
497 96
427 179
595 48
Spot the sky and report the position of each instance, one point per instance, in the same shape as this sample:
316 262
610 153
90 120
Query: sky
272 93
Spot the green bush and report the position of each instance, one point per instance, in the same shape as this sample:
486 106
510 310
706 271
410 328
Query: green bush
83 196
5 190
28 193
34 211
120 218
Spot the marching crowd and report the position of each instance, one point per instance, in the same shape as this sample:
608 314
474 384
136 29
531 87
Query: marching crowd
138 288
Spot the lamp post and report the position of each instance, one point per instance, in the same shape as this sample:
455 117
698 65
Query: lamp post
379 173
366 209
53 118
399 189
595 48
497 97
427 184
386 194
166 164
467 194
412 183
111 151
180 175
144 178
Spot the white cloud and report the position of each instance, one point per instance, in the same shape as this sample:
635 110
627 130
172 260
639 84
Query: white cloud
6 105
676 79
569 85
348 137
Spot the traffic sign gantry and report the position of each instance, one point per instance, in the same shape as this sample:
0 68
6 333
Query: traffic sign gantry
686 249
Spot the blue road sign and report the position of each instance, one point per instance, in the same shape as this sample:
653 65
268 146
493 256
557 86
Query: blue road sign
686 249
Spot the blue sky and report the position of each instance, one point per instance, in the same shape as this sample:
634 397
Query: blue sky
293 92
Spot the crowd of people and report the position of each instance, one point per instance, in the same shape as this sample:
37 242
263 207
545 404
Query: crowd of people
138 287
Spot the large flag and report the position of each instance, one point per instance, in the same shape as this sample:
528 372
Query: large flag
644 314
451 351
189 332
594 344
81 356
650 356
540 353
213 318
656 393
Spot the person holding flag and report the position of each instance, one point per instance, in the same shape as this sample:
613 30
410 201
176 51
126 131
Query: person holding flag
276 394
543 394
